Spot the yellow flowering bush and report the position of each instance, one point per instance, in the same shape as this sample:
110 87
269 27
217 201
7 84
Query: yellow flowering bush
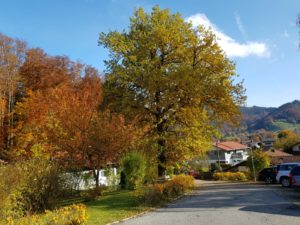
157 193
70 215
230 176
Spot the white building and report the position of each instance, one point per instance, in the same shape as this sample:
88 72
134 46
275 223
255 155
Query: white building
296 149
84 180
228 152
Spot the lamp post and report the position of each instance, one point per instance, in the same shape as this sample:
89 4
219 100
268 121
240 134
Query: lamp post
218 155
253 167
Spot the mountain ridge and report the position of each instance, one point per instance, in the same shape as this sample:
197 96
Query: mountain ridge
272 118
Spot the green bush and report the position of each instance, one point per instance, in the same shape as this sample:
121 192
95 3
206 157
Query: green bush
70 215
156 194
260 160
134 169
30 186
230 176
151 172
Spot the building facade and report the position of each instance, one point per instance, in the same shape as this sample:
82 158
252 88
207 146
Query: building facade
228 152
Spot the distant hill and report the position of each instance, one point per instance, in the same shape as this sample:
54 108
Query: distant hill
286 116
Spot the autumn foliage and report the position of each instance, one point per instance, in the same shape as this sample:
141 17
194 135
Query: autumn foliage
59 113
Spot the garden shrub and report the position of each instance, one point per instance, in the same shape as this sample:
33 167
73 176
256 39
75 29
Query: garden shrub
230 176
30 186
113 179
156 194
260 160
134 169
70 215
92 194
151 172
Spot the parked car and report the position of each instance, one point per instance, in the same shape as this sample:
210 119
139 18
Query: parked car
268 175
283 171
194 174
295 177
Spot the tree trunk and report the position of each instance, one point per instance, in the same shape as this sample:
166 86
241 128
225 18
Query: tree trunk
161 164
96 177
97 190
161 157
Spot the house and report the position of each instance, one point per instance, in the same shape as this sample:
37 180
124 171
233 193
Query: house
268 142
84 180
278 156
239 167
296 148
228 152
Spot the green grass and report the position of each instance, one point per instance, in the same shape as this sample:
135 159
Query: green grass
110 207
281 125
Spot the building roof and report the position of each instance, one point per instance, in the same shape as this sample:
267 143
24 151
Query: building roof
277 153
284 159
230 146
268 140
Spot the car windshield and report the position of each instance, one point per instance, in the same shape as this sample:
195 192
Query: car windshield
287 167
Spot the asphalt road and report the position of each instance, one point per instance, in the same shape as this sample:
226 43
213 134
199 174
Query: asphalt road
226 204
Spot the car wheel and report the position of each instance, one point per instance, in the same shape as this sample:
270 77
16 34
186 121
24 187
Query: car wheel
268 180
285 182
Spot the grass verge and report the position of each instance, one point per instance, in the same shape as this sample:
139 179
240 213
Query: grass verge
111 207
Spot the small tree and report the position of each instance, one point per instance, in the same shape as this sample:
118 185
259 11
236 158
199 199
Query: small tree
286 140
134 169
260 161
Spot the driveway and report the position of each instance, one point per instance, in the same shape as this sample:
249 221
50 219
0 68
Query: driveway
218 203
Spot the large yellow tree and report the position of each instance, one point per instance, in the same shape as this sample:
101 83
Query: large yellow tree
175 78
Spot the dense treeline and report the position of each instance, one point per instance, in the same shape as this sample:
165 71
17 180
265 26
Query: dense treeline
168 89
50 106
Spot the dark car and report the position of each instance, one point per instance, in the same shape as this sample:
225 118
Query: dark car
295 177
268 175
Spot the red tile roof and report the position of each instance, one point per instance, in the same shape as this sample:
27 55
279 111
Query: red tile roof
284 159
230 145
277 153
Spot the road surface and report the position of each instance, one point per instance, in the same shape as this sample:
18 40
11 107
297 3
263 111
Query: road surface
217 203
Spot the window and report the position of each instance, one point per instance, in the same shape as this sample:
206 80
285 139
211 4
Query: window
287 167
296 170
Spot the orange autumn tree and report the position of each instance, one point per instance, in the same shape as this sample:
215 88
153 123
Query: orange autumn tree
12 55
57 120
109 136
63 120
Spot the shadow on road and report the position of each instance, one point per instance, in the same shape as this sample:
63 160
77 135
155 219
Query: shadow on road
245 197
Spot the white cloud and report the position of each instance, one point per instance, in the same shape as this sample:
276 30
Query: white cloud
240 25
228 44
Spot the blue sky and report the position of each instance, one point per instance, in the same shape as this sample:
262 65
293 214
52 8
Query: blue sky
260 36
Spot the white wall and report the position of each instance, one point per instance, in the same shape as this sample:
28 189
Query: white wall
85 180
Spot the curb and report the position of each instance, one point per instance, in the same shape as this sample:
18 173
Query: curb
131 217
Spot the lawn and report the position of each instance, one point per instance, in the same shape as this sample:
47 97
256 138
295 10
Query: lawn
110 207
281 125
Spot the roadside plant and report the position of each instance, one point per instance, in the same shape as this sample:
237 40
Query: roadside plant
134 169
158 193
230 176
260 161
30 186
